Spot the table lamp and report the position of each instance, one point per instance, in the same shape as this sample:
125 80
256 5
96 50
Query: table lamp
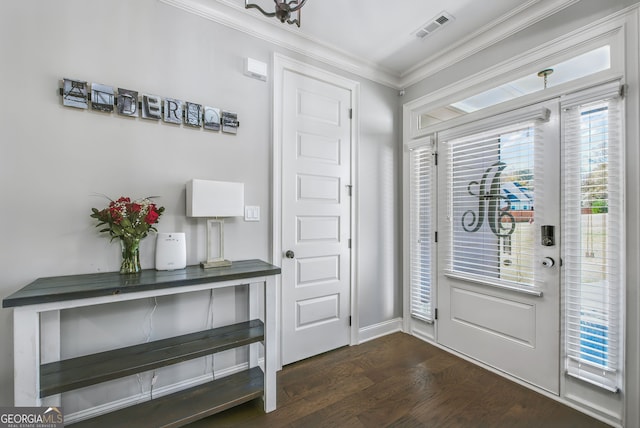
215 200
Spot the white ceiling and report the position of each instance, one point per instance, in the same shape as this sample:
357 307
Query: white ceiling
383 32
376 38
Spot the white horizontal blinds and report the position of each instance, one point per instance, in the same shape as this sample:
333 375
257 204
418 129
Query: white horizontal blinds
421 235
593 240
492 191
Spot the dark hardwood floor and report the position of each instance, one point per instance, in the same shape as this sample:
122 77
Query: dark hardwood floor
398 381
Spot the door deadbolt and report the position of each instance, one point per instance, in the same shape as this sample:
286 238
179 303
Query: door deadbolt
547 238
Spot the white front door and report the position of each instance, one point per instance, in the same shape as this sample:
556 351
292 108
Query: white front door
498 294
316 216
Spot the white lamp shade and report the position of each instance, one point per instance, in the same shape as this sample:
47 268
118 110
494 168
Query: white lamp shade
206 198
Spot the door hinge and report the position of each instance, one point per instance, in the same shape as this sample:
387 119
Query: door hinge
349 320
435 158
349 242
436 237
435 314
349 189
350 113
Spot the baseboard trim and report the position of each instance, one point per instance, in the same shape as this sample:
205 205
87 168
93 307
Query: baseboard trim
371 332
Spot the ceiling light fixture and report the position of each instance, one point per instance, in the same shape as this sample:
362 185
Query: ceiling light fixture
545 73
283 11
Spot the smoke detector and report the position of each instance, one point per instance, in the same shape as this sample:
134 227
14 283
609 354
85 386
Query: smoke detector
434 24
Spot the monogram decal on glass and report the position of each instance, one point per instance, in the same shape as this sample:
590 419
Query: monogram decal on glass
489 195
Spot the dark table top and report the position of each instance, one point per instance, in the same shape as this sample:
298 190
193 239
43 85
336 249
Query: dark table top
60 288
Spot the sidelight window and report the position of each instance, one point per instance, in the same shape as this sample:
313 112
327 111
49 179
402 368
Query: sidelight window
593 239
421 172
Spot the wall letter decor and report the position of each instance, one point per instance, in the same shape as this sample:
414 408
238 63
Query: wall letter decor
193 114
172 110
211 118
153 107
74 93
101 97
127 102
229 122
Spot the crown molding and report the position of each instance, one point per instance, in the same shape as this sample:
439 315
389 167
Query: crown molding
517 20
229 14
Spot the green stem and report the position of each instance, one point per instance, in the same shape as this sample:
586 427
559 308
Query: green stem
130 255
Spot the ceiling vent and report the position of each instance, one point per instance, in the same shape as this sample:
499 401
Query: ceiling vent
434 24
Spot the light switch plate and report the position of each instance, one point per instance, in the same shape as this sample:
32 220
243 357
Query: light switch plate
251 213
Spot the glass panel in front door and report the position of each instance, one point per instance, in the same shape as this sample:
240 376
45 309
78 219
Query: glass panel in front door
492 204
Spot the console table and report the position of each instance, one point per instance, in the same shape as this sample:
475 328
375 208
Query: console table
40 376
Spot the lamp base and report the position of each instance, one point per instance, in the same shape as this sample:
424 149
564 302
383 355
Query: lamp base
215 264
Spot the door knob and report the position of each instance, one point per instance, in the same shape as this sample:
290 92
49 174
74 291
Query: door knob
289 254
548 262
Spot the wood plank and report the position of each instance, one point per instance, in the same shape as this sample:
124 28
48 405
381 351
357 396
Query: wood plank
66 375
60 288
186 406
399 381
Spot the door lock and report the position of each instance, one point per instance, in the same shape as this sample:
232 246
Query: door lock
547 238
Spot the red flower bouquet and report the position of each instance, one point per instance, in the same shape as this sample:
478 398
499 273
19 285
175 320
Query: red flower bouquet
129 221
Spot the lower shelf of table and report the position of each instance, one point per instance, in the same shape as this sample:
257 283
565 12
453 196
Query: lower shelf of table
186 406
74 373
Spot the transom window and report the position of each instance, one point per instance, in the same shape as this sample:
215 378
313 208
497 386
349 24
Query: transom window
582 65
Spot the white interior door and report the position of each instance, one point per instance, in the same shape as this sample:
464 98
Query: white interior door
316 216
498 295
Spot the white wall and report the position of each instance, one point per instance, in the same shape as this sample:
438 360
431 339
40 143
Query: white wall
54 159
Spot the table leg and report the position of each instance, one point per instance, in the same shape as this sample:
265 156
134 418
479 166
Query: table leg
50 348
26 357
254 313
270 345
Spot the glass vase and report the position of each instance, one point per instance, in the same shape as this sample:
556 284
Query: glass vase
130 255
